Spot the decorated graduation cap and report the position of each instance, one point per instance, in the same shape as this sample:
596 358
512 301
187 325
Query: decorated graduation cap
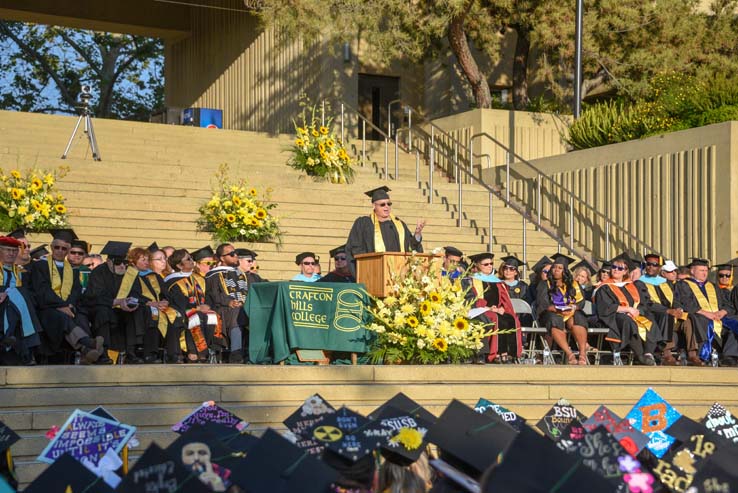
533 463
699 262
39 251
512 261
471 441
275 465
402 435
653 415
68 474
7 438
632 440
199 451
310 413
379 193
451 250
66 235
202 253
154 247
210 412
717 472
476 258
337 250
302 256
561 259
405 403
720 420
116 249
542 262
558 418
587 265
245 252
156 467
348 439
510 417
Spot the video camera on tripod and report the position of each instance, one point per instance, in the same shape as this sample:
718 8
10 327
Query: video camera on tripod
85 96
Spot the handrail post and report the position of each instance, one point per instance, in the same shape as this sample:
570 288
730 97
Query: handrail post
507 185
489 231
389 116
343 140
539 206
386 158
397 156
363 142
571 222
456 163
417 165
607 240
409 129
432 165
471 159
525 240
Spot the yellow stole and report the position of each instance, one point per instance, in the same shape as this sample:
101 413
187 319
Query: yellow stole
16 273
62 286
668 293
653 292
127 283
379 241
169 312
643 323
709 304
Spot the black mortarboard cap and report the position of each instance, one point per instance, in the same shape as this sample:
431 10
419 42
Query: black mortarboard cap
67 474
637 260
451 250
379 193
481 256
473 439
513 261
67 235
658 257
81 244
154 247
720 420
156 467
606 266
544 261
699 262
116 249
302 256
275 465
402 435
684 428
337 250
560 258
17 234
587 265
720 267
717 472
404 403
39 251
202 253
510 417
245 252
342 435
534 464
7 437
220 453
239 441
312 411
558 418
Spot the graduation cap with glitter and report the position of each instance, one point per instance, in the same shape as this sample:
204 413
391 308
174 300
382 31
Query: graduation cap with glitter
694 444
558 418
156 470
210 412
340 432
401 435
717 473
508 416
275 465
632 440
405 403
652 415
67 475
720 420
313 411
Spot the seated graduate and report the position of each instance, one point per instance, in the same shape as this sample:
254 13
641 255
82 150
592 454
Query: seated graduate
116 305
24 250
247 265
453 265
559 304
582 273
204 260
58 293
307 262
341 273
510 275
540 273
624 309
226 288
20 325
203 336
165 323
487 290
709 325
78 250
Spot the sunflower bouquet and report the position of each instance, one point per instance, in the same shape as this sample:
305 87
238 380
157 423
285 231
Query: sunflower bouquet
236 213
318 151
30 201
424 319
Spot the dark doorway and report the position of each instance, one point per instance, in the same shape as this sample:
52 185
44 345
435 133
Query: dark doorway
375 93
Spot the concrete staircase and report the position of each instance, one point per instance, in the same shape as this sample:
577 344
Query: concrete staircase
154 177
154 398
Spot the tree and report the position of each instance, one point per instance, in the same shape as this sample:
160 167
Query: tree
44 68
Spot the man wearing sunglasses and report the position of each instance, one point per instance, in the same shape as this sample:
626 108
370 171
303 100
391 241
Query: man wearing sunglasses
341 273
381 231
307 262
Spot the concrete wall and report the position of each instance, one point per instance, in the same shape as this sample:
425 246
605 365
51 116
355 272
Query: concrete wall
671 191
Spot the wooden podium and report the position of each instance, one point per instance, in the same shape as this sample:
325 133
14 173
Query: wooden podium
374 270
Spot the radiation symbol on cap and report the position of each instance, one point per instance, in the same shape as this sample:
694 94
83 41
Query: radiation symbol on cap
327 433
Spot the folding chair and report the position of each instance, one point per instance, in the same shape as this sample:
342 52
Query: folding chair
522 307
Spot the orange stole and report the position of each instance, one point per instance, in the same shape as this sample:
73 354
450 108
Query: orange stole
643 323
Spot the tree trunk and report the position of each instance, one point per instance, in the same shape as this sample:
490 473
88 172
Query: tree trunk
460 47
520 68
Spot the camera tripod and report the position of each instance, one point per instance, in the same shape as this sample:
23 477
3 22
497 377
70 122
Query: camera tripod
88 129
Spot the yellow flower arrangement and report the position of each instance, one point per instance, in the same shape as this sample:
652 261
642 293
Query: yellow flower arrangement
235 213
317 150
28 200
424 320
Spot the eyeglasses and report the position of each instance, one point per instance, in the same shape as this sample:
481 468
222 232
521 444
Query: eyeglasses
247 260
653 264
545 271
76 252
232 253
309 263
120 261
209 262
385 204
510 267
60 248
340 258
485 264
619 267
723 275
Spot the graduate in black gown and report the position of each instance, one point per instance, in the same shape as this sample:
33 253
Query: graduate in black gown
381 231
341 273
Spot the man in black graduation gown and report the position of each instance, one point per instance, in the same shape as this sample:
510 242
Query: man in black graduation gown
226 288
705 306
341 273
381 231
58 292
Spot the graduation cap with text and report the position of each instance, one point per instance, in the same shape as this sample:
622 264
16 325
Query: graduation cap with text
558 418
66 235
116 249
311 412
720 420
405 403
7 437
653 415
533 463
508 416
210 412
199 451
632 440
156 470
67 474
341 433
470 441
202 253
275 465
717 473
379 193
39 251
402 435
